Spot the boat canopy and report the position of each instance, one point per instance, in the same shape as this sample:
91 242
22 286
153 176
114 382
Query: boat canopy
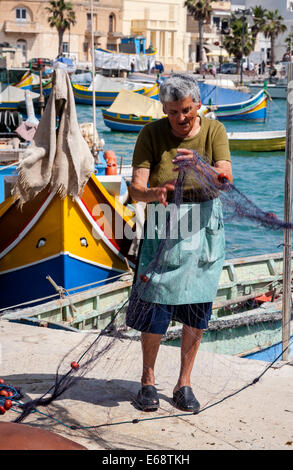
211 94
128 102
12 94
109 84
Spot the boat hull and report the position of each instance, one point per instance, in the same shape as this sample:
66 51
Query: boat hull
105 98
74 241
250 110
261 143
65 269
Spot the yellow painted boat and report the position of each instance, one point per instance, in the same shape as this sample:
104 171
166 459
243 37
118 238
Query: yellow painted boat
77 242
266 141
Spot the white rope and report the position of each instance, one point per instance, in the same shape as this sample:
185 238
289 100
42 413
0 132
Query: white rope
9 166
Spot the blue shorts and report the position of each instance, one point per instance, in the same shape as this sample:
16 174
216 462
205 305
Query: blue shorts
155 318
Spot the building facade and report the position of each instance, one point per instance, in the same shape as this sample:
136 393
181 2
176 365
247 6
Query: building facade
213 32
25 24
285 8
163 23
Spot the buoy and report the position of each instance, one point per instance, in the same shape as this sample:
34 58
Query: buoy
222 177
143 278
271 215
7 404
111 160
2 410
74 365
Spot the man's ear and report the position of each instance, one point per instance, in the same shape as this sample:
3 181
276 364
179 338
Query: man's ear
164 109
198 105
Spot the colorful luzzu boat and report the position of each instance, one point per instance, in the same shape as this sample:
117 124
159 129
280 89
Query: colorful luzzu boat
122 118
253 109
84 95
63 239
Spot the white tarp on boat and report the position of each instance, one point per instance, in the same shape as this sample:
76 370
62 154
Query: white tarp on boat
116 61
112 84
13 94
128 102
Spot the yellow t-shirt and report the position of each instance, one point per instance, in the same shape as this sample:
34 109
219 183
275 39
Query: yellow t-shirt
156 147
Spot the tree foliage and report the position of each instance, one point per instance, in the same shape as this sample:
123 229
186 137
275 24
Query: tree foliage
201 11
61 17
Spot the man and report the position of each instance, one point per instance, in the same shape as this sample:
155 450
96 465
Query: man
160 146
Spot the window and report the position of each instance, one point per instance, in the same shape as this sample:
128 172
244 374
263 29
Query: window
89 21
65 47
111 23
21 14
23 45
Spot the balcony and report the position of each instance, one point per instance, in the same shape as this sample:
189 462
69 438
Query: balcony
221 6
21 27
97 33
140 26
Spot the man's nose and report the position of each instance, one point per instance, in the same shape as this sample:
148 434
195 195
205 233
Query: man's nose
181 117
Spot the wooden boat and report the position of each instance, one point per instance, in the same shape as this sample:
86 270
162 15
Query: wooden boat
67 240
275 90
130 115
253 109
242 280
266 141
12 96
130 112
107 89
31 81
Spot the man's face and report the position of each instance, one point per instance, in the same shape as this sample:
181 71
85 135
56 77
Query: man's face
182 115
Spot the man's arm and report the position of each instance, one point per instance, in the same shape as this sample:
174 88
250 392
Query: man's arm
224 166
221 166
139 190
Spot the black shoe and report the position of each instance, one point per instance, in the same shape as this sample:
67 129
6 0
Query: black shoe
147 398
185 400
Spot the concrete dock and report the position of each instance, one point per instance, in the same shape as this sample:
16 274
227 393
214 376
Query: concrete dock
103 401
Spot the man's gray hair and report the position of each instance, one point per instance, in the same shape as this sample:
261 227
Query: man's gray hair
179 86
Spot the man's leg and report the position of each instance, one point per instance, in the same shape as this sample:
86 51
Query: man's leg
190 342
150 346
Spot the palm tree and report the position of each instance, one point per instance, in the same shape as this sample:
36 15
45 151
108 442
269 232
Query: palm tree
201 11
272 29
233 41
259 21
62 16
289 42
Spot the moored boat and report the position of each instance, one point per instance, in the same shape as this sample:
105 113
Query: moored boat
260 141
66 239
253 109
107 89
237 331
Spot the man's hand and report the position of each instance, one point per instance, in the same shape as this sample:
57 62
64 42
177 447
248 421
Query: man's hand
160 193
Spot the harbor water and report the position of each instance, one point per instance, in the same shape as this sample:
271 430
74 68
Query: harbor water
260 176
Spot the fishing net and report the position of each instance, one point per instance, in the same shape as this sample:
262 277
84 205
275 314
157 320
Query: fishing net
245 323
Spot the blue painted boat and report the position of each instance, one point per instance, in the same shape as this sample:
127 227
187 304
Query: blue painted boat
254 109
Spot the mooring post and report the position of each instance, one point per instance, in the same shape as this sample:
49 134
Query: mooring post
287 237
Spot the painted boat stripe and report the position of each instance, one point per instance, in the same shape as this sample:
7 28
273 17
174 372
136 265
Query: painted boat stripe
29 226
62 253
99 230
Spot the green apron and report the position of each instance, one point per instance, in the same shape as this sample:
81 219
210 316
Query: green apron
186 268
